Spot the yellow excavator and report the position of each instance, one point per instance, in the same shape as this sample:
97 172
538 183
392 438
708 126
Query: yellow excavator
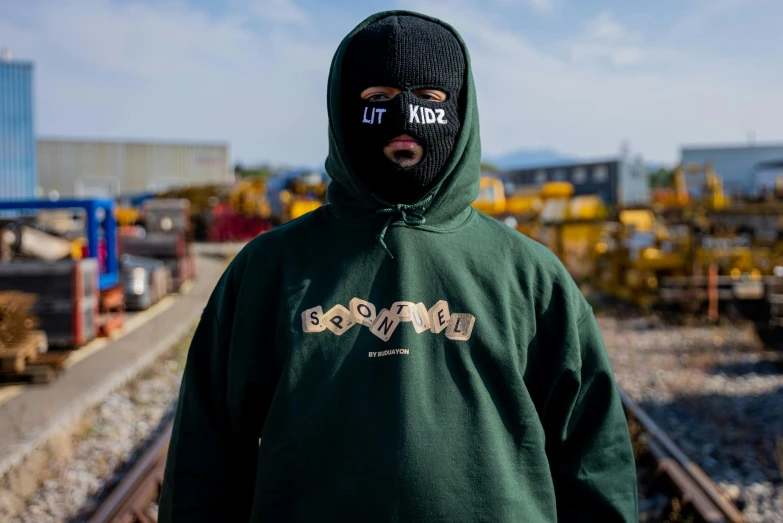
676 203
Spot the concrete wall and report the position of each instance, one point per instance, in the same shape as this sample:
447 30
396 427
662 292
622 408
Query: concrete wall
105 168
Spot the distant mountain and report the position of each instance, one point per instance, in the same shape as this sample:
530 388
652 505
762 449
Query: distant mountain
523 158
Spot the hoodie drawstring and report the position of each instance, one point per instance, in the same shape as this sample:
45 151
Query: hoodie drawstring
412 216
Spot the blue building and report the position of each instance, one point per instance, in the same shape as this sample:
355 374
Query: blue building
619 181
745 169
18 174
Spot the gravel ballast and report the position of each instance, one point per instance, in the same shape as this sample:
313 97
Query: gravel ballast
719 396
76 467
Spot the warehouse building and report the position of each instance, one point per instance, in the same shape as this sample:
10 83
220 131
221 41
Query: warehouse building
17 134
618 181
745 169
84 168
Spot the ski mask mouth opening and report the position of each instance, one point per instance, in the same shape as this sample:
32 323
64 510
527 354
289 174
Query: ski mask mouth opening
408 54
401 156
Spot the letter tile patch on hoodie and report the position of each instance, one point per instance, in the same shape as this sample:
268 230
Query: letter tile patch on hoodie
361 313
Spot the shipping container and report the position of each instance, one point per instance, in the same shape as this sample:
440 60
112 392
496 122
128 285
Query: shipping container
84 168
17 134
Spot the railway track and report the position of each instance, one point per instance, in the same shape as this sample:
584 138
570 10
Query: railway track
139 489
663 468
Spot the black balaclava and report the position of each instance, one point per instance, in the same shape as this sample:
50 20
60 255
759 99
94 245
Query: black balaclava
408 53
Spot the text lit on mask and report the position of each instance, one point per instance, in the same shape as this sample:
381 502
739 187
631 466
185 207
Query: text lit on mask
375 111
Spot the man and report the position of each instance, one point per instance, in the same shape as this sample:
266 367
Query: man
396 355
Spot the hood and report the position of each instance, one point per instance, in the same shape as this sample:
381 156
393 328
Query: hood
448 202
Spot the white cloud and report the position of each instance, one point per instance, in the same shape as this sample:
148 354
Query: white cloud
626 56
606 39
703 12
605 27
285 11
167 70
541 6
529 98
617 56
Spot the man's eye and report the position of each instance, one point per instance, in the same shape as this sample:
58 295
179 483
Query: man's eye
434 97
378 97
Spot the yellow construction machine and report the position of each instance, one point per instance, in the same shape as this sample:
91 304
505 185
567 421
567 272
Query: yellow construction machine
678 205
682 253
492 196
248 197
643 261
704 253
550 214
570 226
128 215
518 209
634 252
757 220
304 193
493 200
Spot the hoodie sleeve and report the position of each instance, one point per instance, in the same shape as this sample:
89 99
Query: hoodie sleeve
588 443
210 467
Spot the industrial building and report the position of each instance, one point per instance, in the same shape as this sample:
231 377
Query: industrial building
103 168
745 169
618 181
17 133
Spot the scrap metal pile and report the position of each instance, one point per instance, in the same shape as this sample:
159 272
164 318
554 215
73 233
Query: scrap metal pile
249 207
68 269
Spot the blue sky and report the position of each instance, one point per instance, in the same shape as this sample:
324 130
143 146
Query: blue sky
579 77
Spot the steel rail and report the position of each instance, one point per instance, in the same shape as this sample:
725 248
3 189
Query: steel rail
139 487
696 487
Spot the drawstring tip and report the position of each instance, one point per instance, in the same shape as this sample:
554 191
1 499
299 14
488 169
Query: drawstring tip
383 244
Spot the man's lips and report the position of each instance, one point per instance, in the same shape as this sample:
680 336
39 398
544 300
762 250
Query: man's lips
403 143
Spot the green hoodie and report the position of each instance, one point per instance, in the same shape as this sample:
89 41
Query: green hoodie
464 379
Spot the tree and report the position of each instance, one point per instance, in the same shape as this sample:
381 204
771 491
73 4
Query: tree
263 170
662 178
488 167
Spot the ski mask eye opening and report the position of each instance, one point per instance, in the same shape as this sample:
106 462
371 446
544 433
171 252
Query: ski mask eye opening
379 93
383 93
431 94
